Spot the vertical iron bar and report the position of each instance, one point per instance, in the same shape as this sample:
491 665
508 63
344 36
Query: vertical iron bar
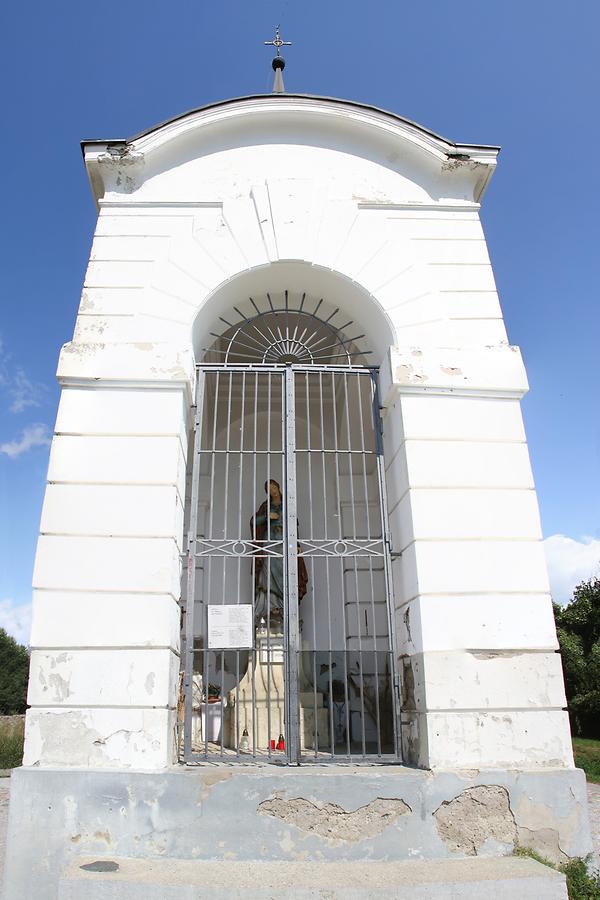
253 568
291 545
311 528
191 572
205 653
241 538
267 562
389 585
325 537
356 586
226 532
360 378
342 580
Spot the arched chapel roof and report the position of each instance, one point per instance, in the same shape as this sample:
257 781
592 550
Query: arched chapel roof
337 101
381 128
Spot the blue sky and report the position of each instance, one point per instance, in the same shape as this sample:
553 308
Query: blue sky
520 74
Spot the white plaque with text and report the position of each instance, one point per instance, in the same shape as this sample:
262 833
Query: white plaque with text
230 627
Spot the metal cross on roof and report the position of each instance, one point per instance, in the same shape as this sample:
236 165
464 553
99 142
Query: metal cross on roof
277 42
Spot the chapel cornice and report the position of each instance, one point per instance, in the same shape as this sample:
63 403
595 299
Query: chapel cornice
380 125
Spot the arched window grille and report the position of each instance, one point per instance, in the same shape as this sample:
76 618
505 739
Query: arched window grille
287 329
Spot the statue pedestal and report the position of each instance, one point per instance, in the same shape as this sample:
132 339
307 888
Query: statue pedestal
258 702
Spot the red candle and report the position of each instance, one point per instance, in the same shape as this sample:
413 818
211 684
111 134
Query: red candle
273 744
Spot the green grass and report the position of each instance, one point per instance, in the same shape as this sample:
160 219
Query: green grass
587 757
581 884
11 745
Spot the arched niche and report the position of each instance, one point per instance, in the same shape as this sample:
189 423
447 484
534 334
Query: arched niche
337 292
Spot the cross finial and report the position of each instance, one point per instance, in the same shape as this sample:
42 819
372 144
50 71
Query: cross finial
277 42
278 62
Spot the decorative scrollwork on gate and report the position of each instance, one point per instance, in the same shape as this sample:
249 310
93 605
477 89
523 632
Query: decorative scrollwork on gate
239 548
345 547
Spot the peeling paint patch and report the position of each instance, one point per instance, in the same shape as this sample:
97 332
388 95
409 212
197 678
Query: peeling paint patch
544 841
332 821
60 686
210 779
475 816
406 373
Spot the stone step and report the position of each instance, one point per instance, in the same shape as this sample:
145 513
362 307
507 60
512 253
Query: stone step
503 878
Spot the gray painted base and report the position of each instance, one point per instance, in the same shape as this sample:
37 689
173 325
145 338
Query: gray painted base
250 813
462 879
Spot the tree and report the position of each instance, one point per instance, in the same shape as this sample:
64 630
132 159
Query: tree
578 629
14 670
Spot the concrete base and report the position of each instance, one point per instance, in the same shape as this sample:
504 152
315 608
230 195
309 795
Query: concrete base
231 814
469 879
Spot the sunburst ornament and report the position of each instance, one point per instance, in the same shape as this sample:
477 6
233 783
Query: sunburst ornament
287 334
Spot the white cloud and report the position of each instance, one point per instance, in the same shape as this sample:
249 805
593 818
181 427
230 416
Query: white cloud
23 392
569 563
16 619
32 436
15 384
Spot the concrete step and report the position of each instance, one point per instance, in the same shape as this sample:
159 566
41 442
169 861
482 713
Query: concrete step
503 878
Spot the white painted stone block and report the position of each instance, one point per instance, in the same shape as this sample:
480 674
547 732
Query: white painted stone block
489 369
107 564
457 567
482 622
513 739
445 332
100 738
118 274
116 677
431 225
130 329
490 679
465 464
110 301
469 304
463 277
461 332
132 248
143 223
462 418
65 619
488 622
113 511
109 459
115 411
456 513
453 251
145 364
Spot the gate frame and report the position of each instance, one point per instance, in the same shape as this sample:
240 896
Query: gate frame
293 756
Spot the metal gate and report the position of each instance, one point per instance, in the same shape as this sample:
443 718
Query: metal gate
288 638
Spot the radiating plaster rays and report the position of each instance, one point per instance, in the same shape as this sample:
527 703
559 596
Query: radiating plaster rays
427 269
295 220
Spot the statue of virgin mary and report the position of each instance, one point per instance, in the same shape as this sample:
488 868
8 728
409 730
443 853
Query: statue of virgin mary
268 525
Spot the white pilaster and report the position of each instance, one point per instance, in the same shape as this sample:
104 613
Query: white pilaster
476 633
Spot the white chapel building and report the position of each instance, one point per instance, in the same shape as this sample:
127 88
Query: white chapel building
290 597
